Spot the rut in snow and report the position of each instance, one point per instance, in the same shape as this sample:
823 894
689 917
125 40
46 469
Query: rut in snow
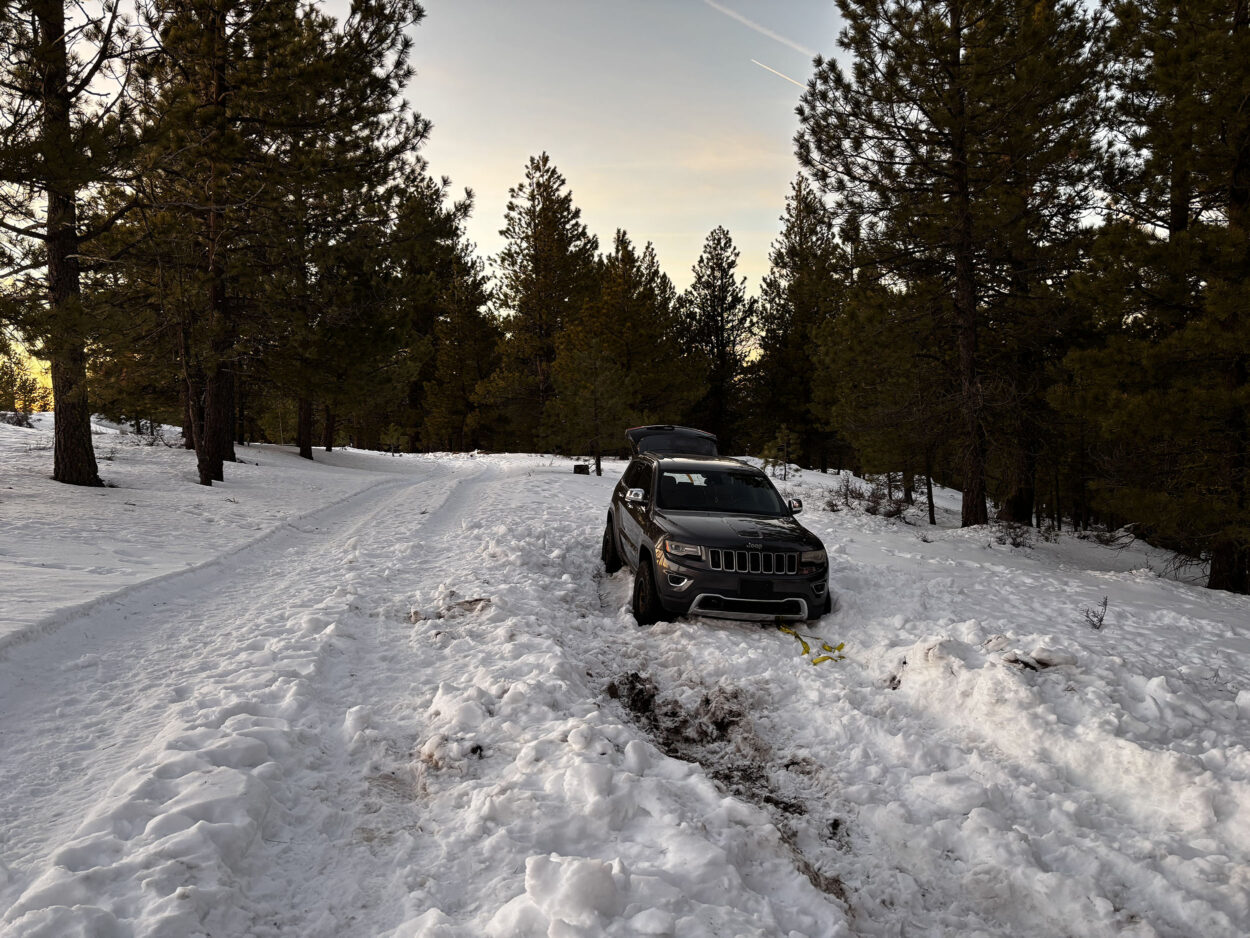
718 734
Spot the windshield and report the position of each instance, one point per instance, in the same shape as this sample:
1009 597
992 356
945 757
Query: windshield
724 490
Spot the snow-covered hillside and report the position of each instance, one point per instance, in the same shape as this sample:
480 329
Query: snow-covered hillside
396 696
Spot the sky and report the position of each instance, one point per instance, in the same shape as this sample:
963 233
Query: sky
666 117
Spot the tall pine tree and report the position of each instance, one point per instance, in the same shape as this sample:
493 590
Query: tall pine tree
950 105
1165 392
800 292
717 323
618 359
466 348
63 92
545 273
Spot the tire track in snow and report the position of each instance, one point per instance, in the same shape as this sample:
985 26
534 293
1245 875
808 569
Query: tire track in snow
334 861
135 672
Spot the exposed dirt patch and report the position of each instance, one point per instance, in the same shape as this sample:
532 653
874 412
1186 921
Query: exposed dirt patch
718 733
452 610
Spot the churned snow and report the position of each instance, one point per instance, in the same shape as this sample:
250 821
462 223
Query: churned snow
397 696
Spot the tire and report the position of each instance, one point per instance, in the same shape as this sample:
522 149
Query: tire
608 553
825 609
646 602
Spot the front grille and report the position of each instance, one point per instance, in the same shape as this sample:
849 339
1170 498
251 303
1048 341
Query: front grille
754 561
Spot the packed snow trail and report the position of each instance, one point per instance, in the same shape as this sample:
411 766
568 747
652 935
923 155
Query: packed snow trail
284 747
179 655
424 711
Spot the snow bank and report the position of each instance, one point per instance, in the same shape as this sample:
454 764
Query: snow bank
66 547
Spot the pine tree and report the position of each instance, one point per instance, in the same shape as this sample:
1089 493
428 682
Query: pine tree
466 346
1039 206
344 142
949 107
800 292
618 361
885 379
717 322
59 139
210 165
545 273
1165 391
661 380
284 152
431 262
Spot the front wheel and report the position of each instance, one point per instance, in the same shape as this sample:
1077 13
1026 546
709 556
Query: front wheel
608 553
646 602
825 608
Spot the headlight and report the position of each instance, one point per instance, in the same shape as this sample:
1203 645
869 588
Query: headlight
813 557
677 549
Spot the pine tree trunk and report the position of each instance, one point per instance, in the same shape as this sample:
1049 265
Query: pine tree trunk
214 438
928 484
1230 557
974 509
218 419
1018 506
1056 508
1230 567
196 393
227 414
304 428
240 411
327 429
73 453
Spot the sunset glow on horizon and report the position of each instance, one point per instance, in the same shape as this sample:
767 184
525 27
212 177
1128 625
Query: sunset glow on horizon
661 114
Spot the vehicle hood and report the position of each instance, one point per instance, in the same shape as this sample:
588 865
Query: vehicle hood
712 529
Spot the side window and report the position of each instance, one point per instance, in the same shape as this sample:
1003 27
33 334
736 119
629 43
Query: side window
638 476
644 479
632 475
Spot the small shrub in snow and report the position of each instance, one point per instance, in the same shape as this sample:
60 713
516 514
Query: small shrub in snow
1009 533
846 491
15 418
1094 618
880 502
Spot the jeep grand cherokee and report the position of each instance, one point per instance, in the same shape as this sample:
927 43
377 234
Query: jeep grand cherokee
711 536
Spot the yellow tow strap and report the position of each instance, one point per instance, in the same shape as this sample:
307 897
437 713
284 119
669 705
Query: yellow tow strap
834 651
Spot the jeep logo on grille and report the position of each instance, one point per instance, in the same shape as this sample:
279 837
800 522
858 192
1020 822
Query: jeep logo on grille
759 546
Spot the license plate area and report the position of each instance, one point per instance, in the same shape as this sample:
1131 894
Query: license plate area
756 589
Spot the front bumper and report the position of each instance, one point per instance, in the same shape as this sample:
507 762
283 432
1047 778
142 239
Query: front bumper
686 589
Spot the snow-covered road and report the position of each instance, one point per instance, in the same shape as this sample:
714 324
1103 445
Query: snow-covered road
421 710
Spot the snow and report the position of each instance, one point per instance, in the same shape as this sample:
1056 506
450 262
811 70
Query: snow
396 696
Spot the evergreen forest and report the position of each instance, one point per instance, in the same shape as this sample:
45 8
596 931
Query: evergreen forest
1014 260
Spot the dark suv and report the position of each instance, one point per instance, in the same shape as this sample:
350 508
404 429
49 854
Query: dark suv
711 536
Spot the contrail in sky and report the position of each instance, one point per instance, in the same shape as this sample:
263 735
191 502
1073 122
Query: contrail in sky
762 30
779 74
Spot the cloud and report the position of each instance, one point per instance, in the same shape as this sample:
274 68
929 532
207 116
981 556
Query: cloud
762 30
778 74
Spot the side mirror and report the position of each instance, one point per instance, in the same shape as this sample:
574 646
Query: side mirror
635 495
796 505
